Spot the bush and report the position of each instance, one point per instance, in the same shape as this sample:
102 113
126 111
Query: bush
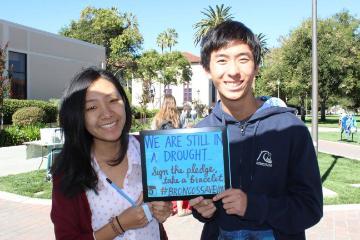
28 116
15 135
138 125
138 112
12 105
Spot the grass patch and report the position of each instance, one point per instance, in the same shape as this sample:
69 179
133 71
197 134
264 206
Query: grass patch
335 136
31 184
332 121
337 173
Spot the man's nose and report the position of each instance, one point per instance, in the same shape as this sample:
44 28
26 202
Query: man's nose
233 69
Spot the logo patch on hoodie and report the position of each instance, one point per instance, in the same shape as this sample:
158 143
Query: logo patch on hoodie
264 159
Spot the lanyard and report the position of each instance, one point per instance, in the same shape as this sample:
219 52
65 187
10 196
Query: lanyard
122 193
133 204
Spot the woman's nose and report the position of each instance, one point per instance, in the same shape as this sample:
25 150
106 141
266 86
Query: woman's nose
106 111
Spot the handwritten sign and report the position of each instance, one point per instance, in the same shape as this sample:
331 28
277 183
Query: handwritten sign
184 163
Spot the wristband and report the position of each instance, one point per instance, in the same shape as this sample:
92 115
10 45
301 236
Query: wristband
147 212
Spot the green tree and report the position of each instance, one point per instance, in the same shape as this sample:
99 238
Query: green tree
4 81
213 17
167 39
167 69
338 59
118 32
161 41
172 37
263 45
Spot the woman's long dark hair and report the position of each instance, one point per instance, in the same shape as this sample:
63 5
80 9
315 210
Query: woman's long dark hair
73 166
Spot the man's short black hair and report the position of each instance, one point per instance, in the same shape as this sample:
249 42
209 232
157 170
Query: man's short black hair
222 35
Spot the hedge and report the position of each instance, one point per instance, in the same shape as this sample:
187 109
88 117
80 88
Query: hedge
15 135
12 105
28 116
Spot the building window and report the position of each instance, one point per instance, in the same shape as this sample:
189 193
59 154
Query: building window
17 66
187 93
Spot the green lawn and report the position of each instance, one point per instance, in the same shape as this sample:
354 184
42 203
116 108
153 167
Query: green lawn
332 121
337 175
31 184
335 136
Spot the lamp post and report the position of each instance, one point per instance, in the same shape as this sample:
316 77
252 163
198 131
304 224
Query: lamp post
278 85
198 92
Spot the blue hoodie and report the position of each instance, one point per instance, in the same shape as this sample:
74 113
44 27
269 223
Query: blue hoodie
272 159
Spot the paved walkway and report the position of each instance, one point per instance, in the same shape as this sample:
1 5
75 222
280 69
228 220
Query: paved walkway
26 218
340 149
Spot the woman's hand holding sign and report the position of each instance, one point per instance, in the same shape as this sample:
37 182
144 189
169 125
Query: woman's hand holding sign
234 201
205 207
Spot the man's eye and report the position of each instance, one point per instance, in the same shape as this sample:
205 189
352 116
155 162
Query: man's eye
244 60
221 61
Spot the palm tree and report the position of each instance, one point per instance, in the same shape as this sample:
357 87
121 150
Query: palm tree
172 36
263 45
161 41
213 17
167 39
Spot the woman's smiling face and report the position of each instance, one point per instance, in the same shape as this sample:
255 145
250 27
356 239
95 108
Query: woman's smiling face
104 111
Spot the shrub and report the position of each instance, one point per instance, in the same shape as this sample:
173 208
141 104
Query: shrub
15 135
138 112
28 116
138 125
12 105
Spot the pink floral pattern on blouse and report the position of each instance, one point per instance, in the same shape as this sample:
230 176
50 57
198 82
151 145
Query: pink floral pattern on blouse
109 203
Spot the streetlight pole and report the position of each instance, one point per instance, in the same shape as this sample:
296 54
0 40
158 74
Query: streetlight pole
314 122
278 84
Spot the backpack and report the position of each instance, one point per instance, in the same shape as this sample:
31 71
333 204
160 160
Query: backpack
166 125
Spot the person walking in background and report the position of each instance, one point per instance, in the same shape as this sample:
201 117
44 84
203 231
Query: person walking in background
275 188
97 185
168 118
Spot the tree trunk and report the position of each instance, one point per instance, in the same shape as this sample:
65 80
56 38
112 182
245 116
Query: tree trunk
302 109
323 105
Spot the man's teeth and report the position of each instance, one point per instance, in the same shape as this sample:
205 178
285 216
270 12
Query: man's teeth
232 84
109 125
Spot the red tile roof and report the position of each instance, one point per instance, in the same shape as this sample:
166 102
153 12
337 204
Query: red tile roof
191 57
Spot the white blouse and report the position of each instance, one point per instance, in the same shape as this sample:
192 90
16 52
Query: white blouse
109 203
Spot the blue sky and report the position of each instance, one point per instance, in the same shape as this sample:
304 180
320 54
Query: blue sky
274 18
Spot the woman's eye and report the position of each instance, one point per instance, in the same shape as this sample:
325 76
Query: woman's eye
90 108
114 100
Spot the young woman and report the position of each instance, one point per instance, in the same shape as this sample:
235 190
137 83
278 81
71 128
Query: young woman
97 187
168 115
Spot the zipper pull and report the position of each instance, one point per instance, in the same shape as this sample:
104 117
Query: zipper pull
242 129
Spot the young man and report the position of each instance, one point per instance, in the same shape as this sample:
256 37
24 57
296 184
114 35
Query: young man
275 182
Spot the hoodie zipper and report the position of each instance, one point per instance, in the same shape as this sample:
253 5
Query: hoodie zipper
242 129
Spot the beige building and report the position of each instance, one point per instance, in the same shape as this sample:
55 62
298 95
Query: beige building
200 89
42 63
